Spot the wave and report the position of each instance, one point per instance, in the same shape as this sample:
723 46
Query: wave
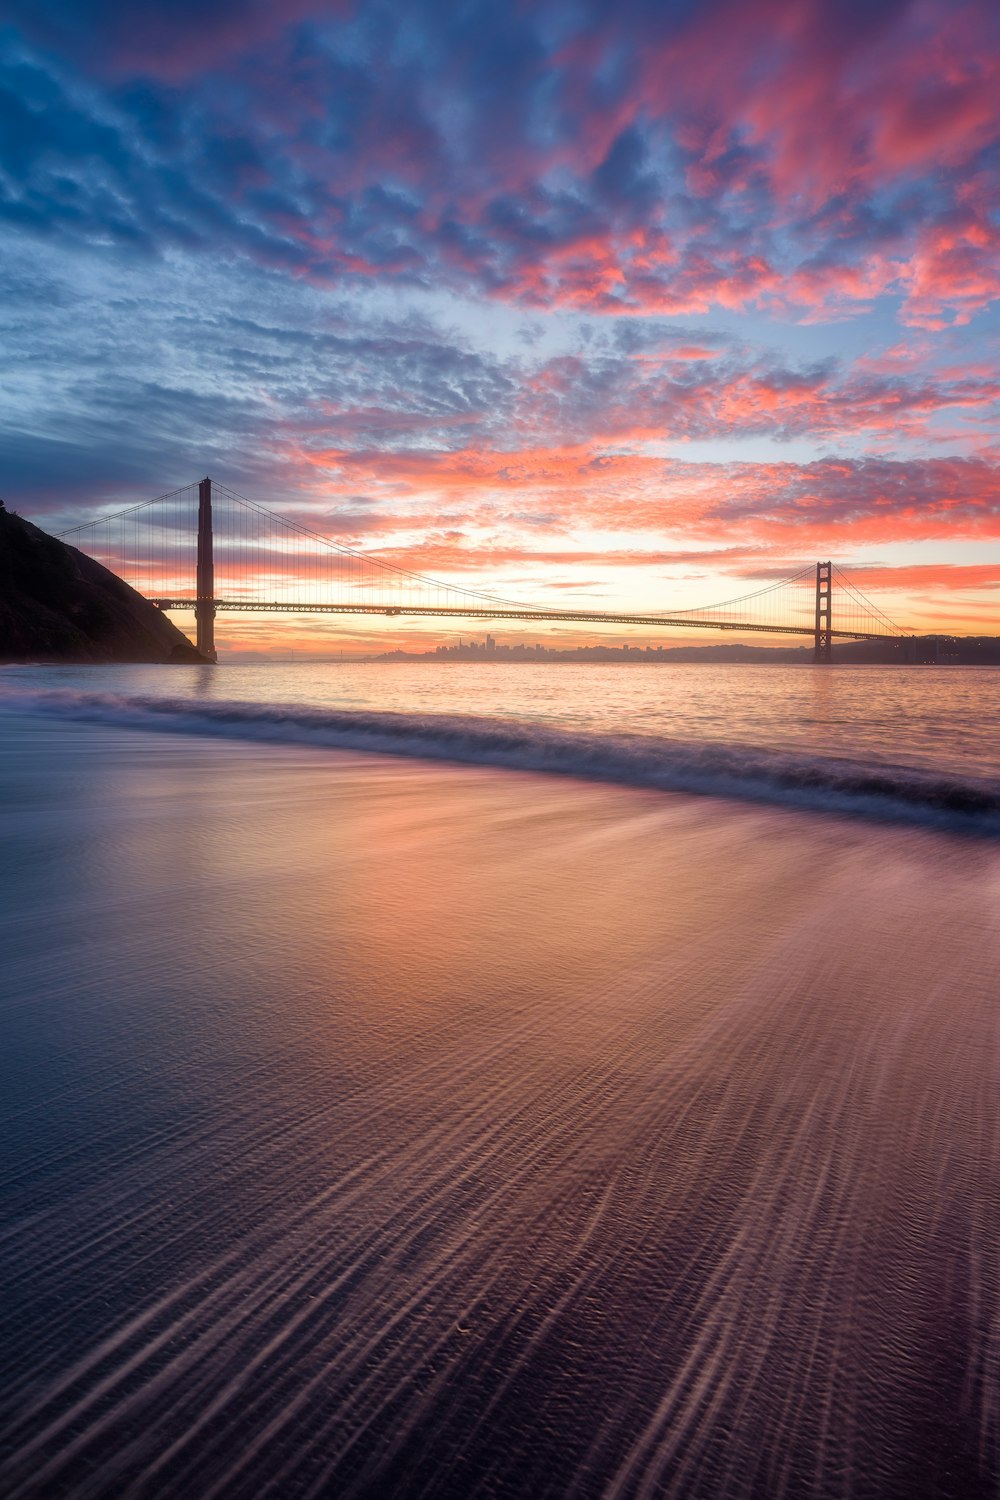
884 791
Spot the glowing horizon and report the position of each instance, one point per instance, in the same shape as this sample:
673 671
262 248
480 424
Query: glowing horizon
613 308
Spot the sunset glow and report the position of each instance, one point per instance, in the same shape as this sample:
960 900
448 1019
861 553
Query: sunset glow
629 307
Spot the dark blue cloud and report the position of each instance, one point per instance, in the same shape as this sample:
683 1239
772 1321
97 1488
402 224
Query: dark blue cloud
242 238
626 158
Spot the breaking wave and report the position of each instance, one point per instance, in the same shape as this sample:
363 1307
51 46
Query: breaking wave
803 779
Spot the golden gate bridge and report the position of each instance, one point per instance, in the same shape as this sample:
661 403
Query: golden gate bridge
205 547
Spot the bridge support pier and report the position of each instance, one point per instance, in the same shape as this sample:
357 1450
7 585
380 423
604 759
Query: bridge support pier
823 648
204 609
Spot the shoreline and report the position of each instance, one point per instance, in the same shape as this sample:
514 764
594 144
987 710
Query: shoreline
880 790
359 1115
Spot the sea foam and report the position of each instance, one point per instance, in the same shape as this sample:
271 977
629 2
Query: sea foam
802 779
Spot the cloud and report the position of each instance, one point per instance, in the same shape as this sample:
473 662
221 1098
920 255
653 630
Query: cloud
794 155
368 424
954 577
167 39
464 286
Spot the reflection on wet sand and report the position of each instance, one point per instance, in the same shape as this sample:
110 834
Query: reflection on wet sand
377 1128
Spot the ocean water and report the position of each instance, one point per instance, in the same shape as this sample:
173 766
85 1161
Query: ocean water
499 1081
920 745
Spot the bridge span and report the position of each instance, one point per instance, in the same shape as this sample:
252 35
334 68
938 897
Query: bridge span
174 551
473 613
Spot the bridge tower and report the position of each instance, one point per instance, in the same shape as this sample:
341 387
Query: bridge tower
204 609
823 651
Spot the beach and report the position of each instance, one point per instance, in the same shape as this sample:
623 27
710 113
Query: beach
500 751
376 1125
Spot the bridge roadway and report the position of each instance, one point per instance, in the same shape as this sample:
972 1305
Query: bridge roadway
490 613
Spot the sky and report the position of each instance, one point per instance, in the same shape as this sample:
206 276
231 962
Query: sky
633 305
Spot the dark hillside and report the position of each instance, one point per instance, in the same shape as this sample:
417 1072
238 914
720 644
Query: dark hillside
56 604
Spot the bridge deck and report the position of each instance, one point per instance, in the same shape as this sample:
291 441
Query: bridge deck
487 612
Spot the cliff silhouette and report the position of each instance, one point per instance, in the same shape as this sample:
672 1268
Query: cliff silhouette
58 605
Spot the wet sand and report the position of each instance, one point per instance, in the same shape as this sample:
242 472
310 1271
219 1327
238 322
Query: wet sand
374 1127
